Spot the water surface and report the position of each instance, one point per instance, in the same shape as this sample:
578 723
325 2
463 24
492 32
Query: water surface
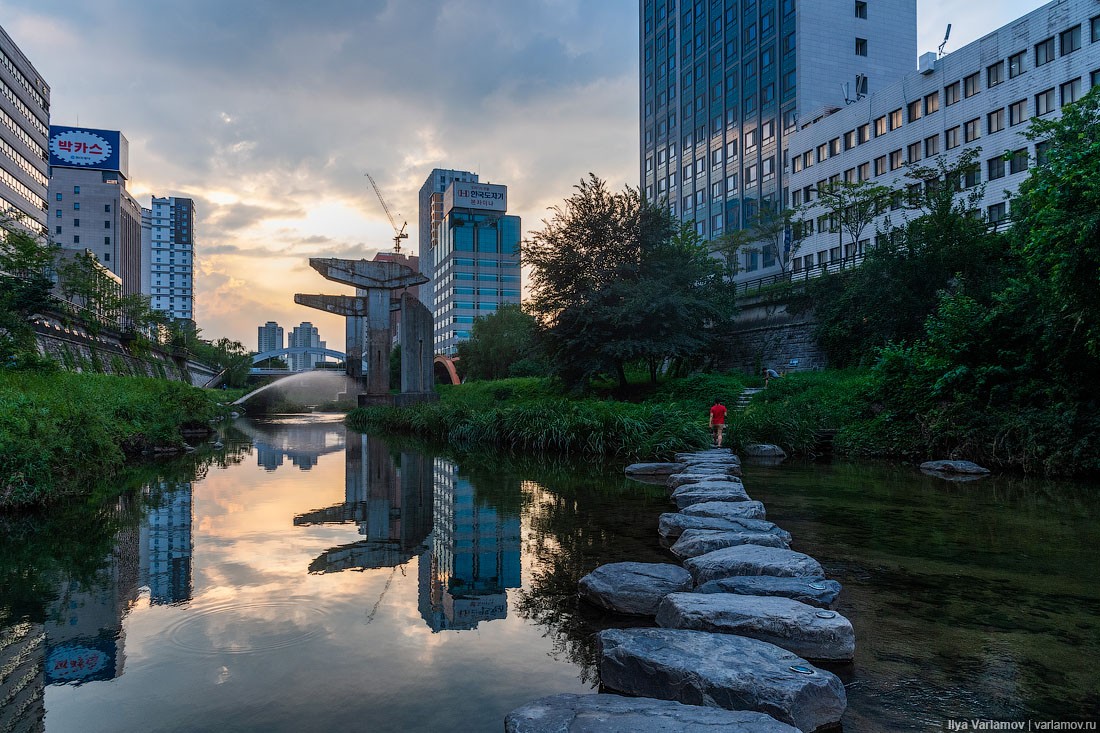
309 578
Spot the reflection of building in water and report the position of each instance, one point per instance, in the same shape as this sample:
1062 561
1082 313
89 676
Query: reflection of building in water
473 560
166 544
22 678
303 443
84 637
391 504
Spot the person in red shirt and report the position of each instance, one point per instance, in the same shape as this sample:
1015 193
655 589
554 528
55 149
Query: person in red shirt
717 422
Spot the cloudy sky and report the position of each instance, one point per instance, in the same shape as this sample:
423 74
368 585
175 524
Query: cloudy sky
269 113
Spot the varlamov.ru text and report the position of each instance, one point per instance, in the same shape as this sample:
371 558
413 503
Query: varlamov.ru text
977 724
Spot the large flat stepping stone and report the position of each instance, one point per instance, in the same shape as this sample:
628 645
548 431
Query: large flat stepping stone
617 714
677 480
695 542
672 524
711 491
752 560
813 591
726 509
634 588
966 467
720 670
733 469
654 469
797 627
712 453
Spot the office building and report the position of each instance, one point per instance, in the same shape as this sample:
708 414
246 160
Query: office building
982 95
304 335
24 138
474 263
91 208
724 84
168 256
269 337
431 215
166 543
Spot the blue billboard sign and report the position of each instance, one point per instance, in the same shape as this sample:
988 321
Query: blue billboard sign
85 147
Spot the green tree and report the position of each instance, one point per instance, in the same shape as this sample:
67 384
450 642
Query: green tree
597 289
500 344
26 268
1056 216
854 206
778 232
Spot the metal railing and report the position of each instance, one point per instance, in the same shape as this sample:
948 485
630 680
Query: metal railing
804 274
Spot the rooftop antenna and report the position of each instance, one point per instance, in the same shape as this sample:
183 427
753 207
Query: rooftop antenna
945 37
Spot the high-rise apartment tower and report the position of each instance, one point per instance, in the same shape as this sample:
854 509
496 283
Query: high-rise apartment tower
24 137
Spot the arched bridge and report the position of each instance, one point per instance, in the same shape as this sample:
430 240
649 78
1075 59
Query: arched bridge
291 351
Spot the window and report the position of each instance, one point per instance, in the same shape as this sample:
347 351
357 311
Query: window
1070 40
1095 23
731 184
932 103
972 85
880 126
1044 52
880 165
1018 162
931 146
750 139
1017 112
731 149
995 74
716 158
972 130
1095 78
895 119
76 189
106 240
1015 65
76 206
896 160
915 110
687 172
822 152
1044 102
861 47
1042 150
995 168
951 94
861 9
850 175
76 222
914 151
1071 91
996 213
716 191
76 239
952 138
768 165
849 140
971 178
750 175
808 159
834 146
863 172
57 229
58 197
995 121
106 208
59 213
767 131
106 225
863 133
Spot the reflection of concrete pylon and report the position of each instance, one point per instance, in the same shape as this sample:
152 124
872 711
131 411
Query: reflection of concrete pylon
368 315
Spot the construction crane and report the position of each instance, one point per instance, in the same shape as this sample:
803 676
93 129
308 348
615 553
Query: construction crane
398 234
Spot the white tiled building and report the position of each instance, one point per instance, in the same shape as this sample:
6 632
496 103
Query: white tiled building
982 95
168 248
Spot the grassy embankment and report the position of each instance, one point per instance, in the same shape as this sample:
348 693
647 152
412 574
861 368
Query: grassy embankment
649 422
60 432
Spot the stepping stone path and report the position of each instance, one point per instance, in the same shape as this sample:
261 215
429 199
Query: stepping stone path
741 614
807 631
726 509
752 560
618 714
695 542
720 670
814 591
634 588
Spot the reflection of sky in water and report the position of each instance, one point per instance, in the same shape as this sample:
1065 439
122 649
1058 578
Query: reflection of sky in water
271 640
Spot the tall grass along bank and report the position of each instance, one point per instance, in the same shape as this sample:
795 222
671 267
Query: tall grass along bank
61 431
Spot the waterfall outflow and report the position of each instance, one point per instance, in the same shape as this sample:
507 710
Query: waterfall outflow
327 384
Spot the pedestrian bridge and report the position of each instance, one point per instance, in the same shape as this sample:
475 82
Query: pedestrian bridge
290 351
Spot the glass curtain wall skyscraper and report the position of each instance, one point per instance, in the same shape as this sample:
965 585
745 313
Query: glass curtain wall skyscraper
723 83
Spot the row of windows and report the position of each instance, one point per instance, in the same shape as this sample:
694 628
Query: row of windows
76 237
23 135
764 136
36 123
23 81
24 164
20 188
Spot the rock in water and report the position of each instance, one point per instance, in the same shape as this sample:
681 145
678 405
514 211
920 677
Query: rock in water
714 453
725 509
617 714
814 591
966 467
807 631
764 450
718 670
693 477
634 588
654 469
709 491
695 542
672 524
752 560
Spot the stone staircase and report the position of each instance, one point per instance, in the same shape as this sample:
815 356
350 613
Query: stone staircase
745 397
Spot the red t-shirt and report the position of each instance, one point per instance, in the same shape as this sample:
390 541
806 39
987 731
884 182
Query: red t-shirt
718 415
